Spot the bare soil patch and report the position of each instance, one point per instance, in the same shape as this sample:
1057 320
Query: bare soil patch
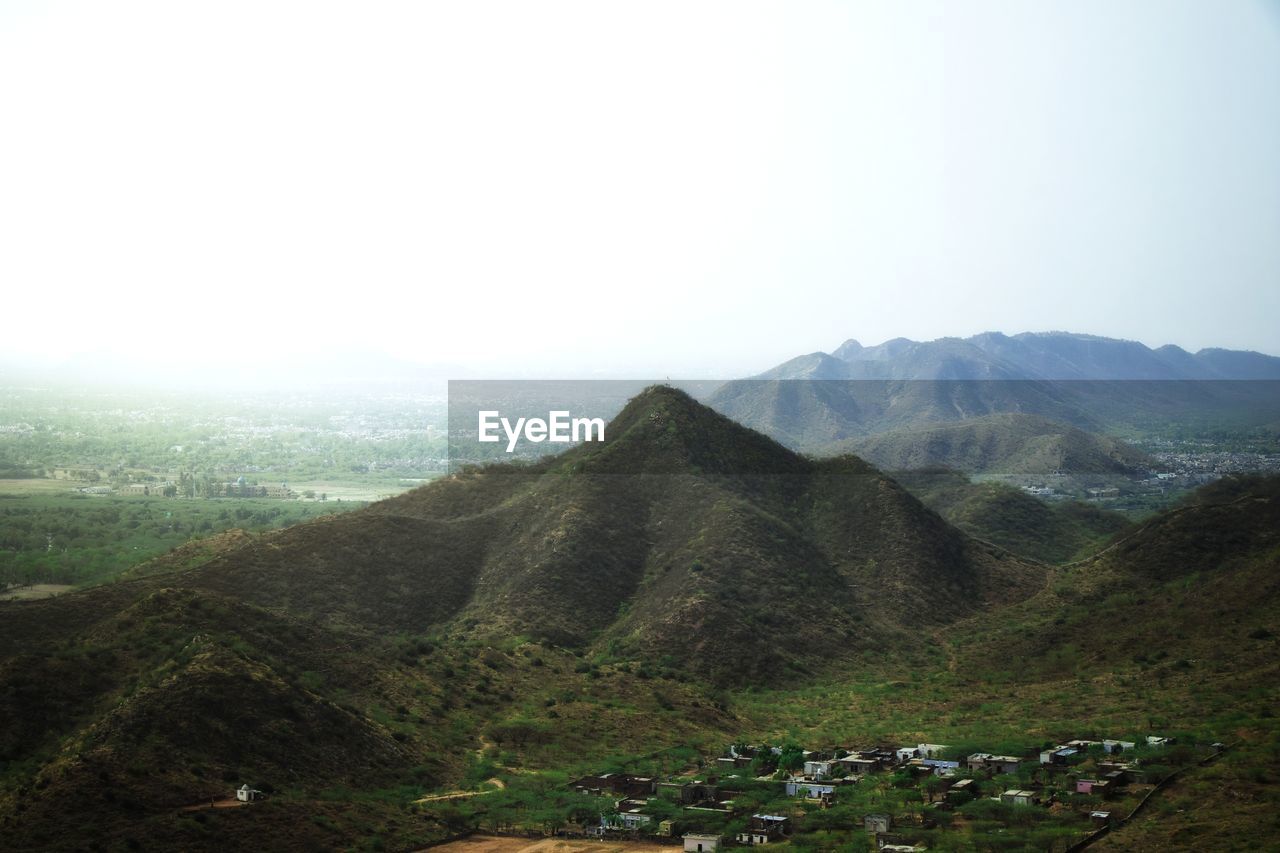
494 844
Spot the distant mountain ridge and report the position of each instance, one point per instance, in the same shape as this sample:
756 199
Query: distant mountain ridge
1029 355
817 402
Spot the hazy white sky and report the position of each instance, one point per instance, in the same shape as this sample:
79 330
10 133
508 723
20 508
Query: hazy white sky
645 189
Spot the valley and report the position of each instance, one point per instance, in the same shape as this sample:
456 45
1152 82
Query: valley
640 428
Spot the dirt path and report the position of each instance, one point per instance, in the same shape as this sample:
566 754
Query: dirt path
224 803
492 844
497 784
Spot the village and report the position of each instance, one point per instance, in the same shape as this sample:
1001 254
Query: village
896 797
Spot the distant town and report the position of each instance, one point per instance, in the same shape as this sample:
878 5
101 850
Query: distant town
1181 466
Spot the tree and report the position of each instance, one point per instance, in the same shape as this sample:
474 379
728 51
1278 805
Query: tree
792 757
933 785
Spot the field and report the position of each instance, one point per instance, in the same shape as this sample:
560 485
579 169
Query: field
338 490
38 486
68 458
34 591
74 539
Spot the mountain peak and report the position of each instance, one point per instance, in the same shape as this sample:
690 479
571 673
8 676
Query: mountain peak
664 430
847 350
654 403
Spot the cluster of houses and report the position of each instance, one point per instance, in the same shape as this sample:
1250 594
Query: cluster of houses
698 795
1112 773
761 829
631 794
824 772
239 489
819 775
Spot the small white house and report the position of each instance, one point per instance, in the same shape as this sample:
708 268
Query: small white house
1015 797
878 823
632 819
810 790
764 828
701 843
818 769
245 794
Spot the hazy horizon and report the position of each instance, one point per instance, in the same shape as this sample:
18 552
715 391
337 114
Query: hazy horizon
572 189
149 370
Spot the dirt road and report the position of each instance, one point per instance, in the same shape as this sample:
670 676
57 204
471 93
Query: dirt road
493 844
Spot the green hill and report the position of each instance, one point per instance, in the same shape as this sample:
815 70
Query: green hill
1007 443
1049 532
684 534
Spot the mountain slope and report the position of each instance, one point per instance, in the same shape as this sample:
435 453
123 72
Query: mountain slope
1190 583
1049 532
688 534
1007 443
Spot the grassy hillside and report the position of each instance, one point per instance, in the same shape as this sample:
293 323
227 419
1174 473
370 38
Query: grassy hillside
183 695
79 539
1057 532
1191 583
1173 631
1176 623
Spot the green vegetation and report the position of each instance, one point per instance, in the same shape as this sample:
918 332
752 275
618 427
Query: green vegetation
85 540
1052 532
117 438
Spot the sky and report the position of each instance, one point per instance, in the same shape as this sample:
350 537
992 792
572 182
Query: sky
688 189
